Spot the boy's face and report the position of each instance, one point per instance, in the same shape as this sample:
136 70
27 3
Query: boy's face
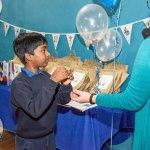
41 56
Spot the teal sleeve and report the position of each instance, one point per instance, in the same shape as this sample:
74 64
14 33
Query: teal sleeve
138 90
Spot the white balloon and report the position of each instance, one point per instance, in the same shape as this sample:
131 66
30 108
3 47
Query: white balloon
92 18
110 46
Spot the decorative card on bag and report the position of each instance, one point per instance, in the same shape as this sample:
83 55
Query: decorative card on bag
5 73
17 69
105 81
79 78
11 73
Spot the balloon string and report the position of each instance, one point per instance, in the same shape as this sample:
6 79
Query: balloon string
96 89
114 72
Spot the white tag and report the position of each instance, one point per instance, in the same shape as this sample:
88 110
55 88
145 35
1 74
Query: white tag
105 81
17 69
77 78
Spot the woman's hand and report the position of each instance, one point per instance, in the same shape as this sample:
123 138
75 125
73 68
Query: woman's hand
80 96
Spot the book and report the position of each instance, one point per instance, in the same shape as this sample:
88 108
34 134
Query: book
80 106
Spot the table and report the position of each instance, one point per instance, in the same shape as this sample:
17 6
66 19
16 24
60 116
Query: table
6 113
76 130
89 130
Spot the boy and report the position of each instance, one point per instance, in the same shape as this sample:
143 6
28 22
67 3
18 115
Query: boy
35 94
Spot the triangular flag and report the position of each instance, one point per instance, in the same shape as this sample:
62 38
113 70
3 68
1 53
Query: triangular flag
29 31
6 27
126 30
87 43
55 39
147 22
87 37
43 33
17 31
70 39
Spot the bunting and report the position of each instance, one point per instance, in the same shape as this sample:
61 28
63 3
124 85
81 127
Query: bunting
126 30
55 39
70 39
6 27
28 31
87 44
147 22
43 33
17 31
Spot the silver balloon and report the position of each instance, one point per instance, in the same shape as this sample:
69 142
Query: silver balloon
109 47
92 22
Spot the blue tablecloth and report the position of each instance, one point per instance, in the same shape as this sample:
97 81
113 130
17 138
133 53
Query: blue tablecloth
6 113
76 130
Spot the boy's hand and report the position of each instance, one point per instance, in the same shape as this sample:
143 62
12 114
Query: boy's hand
60 74
68 80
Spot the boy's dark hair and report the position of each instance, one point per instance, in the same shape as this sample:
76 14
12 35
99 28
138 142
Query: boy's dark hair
146 33
27 43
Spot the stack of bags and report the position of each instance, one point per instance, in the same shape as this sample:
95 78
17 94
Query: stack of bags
85 77
9 70
110 78
17 65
